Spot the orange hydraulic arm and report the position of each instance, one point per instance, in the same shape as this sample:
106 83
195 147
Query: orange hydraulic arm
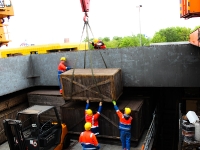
6 10
191 9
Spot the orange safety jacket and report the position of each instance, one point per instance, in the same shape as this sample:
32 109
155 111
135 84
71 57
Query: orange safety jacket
96 46
61 67
124 123
94 118
88 140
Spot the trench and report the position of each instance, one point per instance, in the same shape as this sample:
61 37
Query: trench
164 99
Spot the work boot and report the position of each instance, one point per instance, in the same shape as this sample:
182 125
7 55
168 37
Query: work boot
60 91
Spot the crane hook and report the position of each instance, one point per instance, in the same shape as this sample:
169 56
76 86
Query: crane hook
85 18
2 20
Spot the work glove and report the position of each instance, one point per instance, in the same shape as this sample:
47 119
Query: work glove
100 103
98 146
68 68
114 102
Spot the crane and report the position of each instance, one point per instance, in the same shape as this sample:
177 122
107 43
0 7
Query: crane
6 10
85 5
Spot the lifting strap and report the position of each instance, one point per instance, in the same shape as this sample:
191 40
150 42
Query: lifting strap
91 66
86 25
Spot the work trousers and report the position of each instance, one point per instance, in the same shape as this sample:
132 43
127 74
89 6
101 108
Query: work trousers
95 130
59 73
89 149
125 137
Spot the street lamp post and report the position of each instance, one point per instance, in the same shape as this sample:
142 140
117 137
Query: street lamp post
140 25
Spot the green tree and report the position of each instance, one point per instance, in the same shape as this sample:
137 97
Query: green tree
86 39
106 39
172 34
117 38
195 28
129 41
144 41
112 44
157 38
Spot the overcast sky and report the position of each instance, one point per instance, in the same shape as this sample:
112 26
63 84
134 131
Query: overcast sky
50 21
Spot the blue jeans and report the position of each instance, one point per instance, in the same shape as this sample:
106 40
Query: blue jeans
125 137
95 130
88 149
59 73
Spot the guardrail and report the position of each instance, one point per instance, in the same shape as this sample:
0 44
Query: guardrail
150 134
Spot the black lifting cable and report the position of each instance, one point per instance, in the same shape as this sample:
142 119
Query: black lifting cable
91 66
86 25
99 51
72 78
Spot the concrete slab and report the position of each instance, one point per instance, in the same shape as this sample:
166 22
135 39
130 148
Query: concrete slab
75 145
78 146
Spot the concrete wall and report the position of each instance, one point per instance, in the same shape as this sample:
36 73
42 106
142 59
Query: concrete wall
155 66
46 66
13 74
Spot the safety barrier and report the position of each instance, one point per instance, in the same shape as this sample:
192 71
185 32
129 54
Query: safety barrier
150 134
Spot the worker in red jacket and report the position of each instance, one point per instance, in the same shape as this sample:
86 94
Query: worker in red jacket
98 44
88 139
62 68
124 126
93 119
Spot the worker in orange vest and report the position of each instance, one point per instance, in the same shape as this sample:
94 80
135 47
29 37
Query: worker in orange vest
62 68
88 139
98 44
93 119
124 126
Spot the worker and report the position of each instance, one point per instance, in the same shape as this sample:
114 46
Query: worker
88 139
124 126
98 44
93 119
62 68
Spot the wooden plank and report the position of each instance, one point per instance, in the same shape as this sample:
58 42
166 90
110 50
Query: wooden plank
96 71
45 92
43 98
105 85
9 114
8 103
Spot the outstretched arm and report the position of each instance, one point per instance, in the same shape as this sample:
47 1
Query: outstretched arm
100 108
117 109
87 105
96 116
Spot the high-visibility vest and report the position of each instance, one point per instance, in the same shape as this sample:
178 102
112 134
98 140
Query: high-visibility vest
88 140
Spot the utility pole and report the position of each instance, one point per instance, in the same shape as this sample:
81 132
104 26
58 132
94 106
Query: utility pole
140 24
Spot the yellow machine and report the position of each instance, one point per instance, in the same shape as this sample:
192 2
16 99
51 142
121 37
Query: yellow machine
42 49
6 10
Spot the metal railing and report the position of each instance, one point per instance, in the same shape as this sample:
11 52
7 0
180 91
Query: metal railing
180 128
150 134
